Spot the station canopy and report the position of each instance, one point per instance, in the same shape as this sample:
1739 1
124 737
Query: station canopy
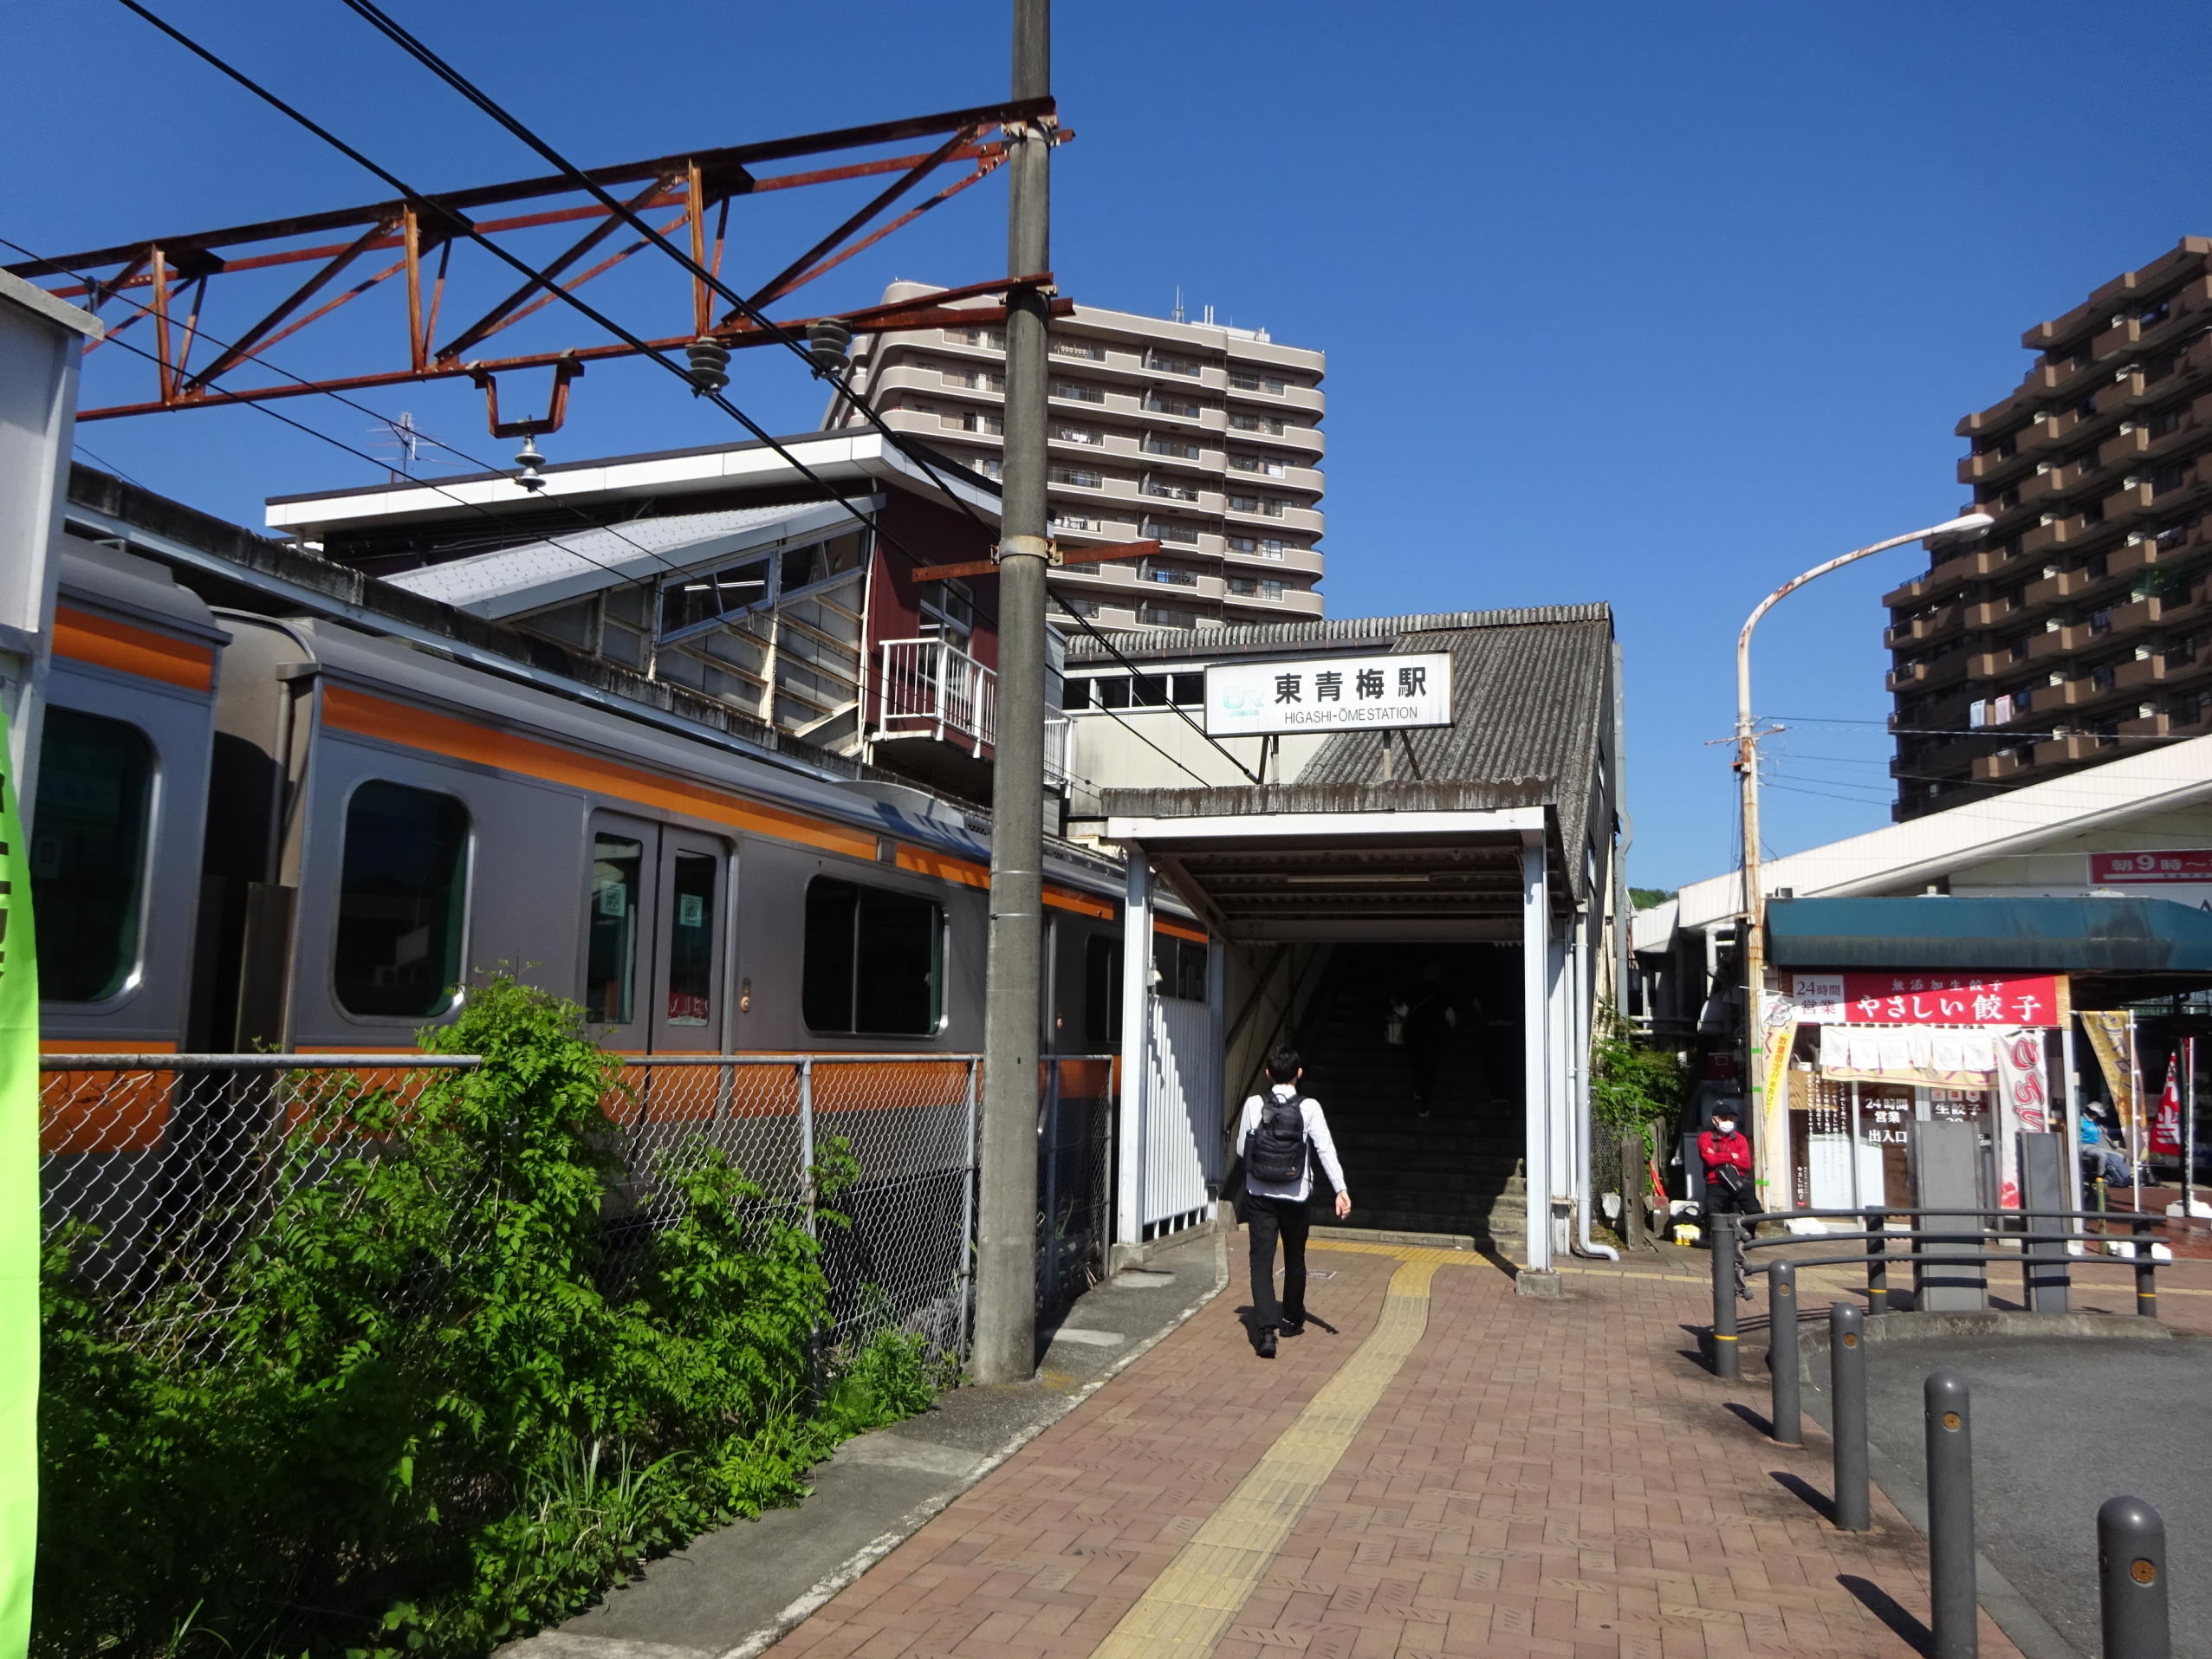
1431 852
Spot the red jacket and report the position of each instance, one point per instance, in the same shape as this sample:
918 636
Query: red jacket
1731 1148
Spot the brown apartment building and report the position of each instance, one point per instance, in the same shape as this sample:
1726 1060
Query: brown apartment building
2079 627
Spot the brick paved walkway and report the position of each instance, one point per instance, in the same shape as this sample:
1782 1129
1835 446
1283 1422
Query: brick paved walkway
1534 1477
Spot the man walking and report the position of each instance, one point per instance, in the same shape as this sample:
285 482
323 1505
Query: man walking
1281 1131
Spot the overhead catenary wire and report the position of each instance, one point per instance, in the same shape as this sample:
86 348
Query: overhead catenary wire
540 280
415 48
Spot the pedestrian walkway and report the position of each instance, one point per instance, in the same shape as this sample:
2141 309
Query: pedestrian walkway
1451 1470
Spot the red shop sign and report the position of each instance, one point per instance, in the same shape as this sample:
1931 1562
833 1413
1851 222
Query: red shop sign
1925 999
2149 869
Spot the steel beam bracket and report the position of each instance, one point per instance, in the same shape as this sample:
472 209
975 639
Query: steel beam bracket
565 369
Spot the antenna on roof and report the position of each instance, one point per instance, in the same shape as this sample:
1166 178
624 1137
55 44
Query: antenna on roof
1178 302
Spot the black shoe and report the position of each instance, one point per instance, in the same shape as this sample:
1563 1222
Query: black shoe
1268 1343
1292 1327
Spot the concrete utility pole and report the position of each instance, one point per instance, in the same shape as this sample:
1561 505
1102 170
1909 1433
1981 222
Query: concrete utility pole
1006 1240
1769 1118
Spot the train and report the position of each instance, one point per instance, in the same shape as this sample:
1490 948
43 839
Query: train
254 830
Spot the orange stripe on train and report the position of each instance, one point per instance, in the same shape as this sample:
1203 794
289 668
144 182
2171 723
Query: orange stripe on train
85 637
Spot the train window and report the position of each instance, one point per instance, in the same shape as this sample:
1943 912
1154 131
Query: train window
1181 965
402 893
1101 991
611 966
690 941
874 961
88 853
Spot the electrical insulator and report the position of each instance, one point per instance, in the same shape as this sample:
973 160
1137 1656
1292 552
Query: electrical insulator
709 365
527 458
829 343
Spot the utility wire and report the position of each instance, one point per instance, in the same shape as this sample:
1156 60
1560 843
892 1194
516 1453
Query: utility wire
537 277
423 205
393 30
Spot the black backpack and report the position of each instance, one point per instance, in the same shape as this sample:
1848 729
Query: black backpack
1277 1151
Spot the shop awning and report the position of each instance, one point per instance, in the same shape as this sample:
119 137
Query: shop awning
2066 936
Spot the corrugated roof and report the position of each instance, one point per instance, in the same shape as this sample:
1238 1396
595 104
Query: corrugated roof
536 573
1159 645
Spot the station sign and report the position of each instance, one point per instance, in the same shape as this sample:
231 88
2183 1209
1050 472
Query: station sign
1380 691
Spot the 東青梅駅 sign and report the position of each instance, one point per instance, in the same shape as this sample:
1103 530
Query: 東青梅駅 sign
1383 691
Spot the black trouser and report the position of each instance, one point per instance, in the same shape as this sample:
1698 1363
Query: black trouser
1268 1219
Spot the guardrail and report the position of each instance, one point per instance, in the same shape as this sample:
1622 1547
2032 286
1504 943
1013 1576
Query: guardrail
1959 1253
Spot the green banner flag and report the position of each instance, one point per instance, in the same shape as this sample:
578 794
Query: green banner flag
18 1224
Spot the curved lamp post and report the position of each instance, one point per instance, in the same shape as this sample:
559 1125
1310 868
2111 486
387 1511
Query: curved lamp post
1770 1121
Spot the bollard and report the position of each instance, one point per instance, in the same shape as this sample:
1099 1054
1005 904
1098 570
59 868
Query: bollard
1950 1517
1847 1393
1878 1262
1722 1244
2131 1580
2146 1271
1785 1416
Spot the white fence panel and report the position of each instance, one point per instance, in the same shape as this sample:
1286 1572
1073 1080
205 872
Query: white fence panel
1182 1113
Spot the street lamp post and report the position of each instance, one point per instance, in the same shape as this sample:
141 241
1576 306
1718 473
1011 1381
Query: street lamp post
1769 1115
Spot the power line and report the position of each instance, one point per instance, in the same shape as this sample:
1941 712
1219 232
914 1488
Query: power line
537 277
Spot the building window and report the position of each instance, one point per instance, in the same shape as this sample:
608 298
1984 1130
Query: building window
1158 616
1076 392
402 899
975 380
1170 491
1080 478
88 856
989 465
874 961
1084 435
1180 965
1060 519
1171 533
970 420
2151 317
1264 546
1255 587
1155 444
1171 576
1264 465
610 950
993 339
1167 365
1245 380
1267 424
2167 479
2167 421
1161 403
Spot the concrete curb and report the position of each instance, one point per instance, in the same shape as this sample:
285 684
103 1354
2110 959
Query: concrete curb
823 1589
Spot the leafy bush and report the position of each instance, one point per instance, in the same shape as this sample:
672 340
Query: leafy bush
1632 1083
424 1405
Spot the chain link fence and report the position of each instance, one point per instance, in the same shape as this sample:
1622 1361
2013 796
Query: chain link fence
156 1166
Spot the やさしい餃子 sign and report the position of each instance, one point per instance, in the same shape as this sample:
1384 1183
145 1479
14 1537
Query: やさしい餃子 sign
1383 691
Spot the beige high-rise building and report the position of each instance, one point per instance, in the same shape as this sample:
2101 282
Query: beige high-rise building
1204 437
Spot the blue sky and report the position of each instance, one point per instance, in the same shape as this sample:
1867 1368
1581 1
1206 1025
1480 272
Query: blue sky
1657 305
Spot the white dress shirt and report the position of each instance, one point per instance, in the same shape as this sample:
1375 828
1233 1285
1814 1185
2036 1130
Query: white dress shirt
1317 1130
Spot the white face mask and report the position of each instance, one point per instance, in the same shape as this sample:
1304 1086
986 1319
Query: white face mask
1724 1125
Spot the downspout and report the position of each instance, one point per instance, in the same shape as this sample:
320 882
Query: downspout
1579 1081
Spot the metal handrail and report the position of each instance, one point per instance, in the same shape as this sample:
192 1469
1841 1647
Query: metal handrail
388 1062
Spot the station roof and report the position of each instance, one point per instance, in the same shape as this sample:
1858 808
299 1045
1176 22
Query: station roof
1344 852
2102 936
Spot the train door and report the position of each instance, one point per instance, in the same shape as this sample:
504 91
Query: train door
657 912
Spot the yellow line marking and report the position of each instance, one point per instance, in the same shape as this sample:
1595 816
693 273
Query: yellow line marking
1190 1605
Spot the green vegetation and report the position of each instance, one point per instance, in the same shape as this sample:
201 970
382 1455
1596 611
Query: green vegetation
426 1406
1633 1085
1645 897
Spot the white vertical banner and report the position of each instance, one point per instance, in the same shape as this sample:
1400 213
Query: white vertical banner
2023 1103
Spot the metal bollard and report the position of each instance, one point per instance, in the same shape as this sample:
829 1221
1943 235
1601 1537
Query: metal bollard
2146 1271
1785 1414
1951 1591
2131 1580
1878 1262
1847 1392
1726 1363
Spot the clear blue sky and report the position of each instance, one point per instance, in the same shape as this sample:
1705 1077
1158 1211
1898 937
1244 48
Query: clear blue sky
1653 304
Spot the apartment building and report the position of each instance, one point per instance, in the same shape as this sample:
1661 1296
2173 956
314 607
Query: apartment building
2079 627
1203 436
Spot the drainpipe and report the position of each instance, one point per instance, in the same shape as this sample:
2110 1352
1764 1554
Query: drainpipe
1579 1083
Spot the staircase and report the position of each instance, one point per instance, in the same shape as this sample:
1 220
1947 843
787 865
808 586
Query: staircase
1458 1171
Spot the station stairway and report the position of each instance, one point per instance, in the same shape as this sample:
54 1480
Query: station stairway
1457 1171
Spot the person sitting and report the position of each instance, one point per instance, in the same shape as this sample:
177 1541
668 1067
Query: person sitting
2102 1148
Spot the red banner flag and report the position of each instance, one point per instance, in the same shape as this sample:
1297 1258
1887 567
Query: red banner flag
2166 1127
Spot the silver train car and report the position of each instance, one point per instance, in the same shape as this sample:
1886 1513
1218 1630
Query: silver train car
251 829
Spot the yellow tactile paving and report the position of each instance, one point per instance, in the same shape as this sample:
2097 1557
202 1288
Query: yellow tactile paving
1197 1598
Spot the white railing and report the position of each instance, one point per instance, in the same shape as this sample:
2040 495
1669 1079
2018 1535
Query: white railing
1059 749
930 689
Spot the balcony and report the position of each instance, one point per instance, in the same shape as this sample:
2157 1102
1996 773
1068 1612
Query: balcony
931 688
1946 619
